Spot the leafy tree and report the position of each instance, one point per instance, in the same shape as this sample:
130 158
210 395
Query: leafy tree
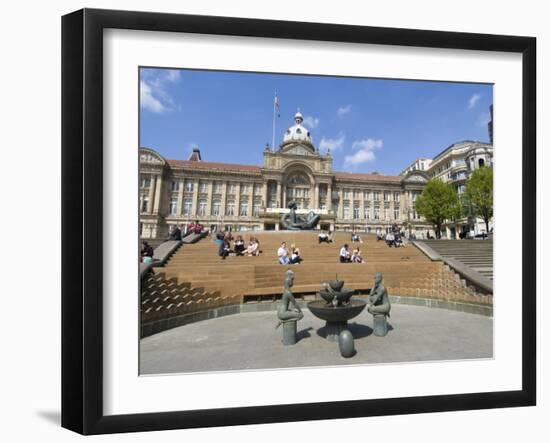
478 194
438 202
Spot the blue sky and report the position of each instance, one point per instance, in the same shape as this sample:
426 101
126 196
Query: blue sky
368 124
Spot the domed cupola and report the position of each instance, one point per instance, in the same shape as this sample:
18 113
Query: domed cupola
297 134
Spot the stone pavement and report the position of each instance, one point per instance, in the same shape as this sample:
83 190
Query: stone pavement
250 341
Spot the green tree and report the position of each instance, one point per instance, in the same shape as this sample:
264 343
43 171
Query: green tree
438 202
478 194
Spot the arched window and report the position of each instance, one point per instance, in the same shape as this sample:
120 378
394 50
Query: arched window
481 162
297 189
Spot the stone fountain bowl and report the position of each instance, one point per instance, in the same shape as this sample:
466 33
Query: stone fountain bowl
336 285
342 296
336 314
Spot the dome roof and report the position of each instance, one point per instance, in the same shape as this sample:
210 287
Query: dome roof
297 132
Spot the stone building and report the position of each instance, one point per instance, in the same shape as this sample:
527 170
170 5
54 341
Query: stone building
253 197
454 165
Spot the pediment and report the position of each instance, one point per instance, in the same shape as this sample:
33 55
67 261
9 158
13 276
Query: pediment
416 177
150 157
298 149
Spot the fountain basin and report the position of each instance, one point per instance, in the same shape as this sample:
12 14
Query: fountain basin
336 317
343 296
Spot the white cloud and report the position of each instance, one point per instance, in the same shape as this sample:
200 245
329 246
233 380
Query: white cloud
332 144
483 119
311 122
473 100
364 152
343 110
154 95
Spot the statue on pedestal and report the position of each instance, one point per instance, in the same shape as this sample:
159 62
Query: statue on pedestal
294 222
289 311
379 302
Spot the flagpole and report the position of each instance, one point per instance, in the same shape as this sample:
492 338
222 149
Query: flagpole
274 110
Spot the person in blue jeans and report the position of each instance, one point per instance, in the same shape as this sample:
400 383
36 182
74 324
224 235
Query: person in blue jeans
282 254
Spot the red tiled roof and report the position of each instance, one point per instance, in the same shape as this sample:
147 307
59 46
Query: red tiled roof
256 169
214 166
368 177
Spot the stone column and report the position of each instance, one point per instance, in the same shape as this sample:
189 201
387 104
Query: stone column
279 199
223 198
158 194
283 198
264 194
329 197
179 208
362 205
341 203
237 199
151 193
209 190
195 197
316 204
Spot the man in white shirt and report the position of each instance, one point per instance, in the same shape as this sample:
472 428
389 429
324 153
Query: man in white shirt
344 254
282 254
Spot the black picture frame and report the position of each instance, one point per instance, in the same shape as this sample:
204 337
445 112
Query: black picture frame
82 218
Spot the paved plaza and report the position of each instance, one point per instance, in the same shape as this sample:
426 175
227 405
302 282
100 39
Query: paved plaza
250 341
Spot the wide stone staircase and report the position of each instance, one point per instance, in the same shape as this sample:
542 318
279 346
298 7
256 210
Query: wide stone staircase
475 254
196 279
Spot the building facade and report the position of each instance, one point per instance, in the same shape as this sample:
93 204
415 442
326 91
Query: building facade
454 165
253 197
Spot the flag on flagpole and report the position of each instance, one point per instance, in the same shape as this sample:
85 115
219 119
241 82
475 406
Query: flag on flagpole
276 104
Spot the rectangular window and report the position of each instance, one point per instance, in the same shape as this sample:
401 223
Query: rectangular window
202 207
366 195
187 206
202 187
231 188
346 193
216 205
230 208
145 182
356 194
175 186
257 189
386 196
356 212
256 209
377 213
189 186
346 212
173 205
367 213
396 213
145 204
386 214
396 196
243 209
218 187
244 189
376 195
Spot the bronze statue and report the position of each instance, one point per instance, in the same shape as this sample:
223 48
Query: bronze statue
289 308
295 223
379 302
289 312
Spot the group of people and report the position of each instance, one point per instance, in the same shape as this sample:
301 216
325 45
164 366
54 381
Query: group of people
240 247
353 257
178 232
355 238
325 237
147 252
394 237
289 257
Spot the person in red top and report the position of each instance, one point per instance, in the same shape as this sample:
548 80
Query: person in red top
197 228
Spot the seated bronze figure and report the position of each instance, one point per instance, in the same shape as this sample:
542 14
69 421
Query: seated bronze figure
294 222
